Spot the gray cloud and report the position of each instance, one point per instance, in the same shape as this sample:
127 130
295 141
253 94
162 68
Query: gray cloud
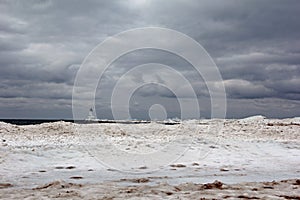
256 45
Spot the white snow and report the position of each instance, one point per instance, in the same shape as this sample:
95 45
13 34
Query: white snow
251 149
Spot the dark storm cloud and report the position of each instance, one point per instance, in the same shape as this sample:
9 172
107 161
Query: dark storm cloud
256 45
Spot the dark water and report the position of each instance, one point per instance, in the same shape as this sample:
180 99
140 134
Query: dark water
32 121
40 121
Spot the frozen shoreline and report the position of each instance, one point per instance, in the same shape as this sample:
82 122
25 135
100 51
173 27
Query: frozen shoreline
248 150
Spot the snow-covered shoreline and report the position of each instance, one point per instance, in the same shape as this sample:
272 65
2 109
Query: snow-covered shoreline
67 133
254 149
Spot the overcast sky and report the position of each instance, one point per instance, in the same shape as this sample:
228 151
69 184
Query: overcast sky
255 44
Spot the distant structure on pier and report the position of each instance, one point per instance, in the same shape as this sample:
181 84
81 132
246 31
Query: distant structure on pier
91 116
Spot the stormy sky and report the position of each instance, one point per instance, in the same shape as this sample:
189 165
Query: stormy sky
254 43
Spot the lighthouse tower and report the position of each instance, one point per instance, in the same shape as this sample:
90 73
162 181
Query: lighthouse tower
91 116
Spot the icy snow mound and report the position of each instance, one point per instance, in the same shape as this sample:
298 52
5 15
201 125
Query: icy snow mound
5 125
60 125
296 120
255 118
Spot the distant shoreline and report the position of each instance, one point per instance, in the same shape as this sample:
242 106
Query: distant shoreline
101 121
33 121
24 121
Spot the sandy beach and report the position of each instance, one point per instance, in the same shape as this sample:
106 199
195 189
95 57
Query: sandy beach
252 158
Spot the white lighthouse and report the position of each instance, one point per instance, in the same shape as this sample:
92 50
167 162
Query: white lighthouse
91 116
